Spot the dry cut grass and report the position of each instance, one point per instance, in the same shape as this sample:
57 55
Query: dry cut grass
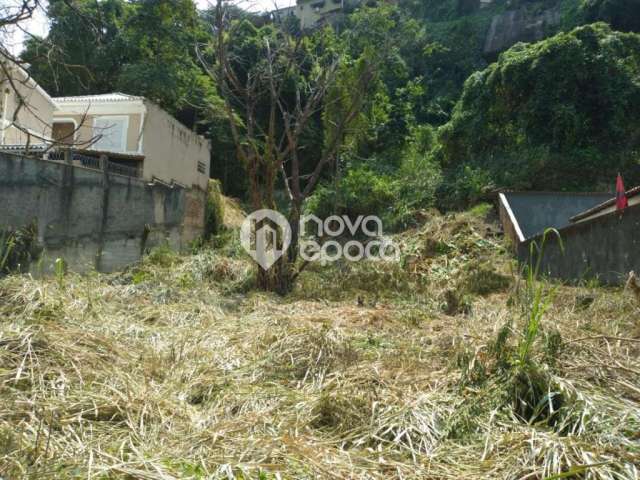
176 369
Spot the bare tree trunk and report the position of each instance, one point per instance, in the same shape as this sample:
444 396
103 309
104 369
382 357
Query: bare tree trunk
269 145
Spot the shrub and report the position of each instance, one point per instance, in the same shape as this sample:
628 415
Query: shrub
464 186
214 210
18 248
418 180
162 256
373 188
362 191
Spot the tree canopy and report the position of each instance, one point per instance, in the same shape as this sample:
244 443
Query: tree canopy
558 114
142 47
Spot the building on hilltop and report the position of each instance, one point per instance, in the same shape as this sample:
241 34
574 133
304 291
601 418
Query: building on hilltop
282 14
313 13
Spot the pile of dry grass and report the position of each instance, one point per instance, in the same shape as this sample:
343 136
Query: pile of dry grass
176 369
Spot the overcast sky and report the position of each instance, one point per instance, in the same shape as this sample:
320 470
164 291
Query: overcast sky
38 24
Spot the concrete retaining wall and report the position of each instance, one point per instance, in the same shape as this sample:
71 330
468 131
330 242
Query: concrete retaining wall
95 219
606 248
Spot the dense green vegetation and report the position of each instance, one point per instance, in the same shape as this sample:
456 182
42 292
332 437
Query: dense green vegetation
559 114
443 126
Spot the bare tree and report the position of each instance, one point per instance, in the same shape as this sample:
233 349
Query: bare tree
13 77
271 106
17 83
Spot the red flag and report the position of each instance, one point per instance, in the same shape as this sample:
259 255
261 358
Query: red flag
621 197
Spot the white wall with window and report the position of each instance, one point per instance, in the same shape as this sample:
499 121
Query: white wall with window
110 133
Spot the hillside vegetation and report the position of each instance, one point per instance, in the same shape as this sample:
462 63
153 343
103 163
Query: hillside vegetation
561 114
446 366
442 125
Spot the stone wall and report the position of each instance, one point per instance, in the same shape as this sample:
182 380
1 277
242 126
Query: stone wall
95 219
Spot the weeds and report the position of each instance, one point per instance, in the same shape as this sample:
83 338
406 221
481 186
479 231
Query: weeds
60 270
18 248
162 256
214 210
532 392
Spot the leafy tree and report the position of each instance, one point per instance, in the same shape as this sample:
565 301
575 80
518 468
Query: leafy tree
84 49
453 52
558 114
142 47
399 93
452 49
384 166
160 40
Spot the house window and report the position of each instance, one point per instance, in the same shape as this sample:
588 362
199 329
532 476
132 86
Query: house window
110 133
64 131
202 168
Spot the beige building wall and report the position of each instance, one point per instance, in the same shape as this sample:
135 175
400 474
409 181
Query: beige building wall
172 151
85 133
314 12
34 117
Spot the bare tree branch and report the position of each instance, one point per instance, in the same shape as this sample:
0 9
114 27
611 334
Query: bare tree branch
273 101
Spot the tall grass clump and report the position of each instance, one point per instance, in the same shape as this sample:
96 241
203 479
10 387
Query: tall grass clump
18 248
525 375
534 396
214 210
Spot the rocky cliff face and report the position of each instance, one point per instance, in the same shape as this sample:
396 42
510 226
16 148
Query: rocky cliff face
519 25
